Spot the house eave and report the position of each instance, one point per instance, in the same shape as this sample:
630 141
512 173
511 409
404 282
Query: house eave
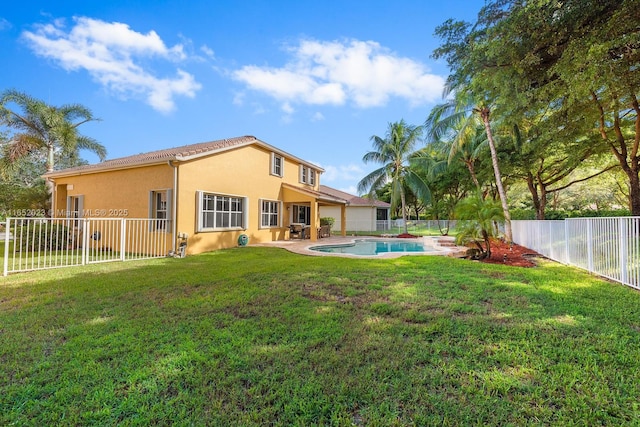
98 169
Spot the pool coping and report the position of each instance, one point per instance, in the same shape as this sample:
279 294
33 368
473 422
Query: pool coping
442 245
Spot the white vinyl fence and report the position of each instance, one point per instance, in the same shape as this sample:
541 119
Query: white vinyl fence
42 243
609 247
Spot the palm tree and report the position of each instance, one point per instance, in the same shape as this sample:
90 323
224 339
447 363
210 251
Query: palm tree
396 153
456 138
42 128
479 217
462 112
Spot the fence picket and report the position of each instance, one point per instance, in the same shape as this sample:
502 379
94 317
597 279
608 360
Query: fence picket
43 243
608 247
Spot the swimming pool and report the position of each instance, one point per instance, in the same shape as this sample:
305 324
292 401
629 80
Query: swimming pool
369 247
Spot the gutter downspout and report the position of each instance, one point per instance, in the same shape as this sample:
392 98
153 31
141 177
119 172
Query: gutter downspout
174 206
54 189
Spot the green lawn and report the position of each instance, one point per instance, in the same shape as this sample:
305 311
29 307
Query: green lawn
260 336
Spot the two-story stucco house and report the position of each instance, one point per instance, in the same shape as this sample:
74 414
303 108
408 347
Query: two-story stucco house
213 192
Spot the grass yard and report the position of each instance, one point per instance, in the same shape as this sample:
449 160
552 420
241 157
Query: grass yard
256 336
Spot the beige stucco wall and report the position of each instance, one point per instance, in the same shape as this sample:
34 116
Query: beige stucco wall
115 194
359 218
242 171
121 193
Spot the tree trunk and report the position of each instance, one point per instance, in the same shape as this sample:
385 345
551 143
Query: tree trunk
487 243
533 189
629 161
404 212
50 163
484 113
634 192
631 168
472 171
543 202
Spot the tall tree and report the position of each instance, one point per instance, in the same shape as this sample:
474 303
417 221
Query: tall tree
450 132
42 128
573 62
467 113
397 154
549 166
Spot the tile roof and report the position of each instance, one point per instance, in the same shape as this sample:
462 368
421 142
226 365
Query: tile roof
317 194
185 152
351 199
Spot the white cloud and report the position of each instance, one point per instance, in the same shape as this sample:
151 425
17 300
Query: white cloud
207 51
287 108
317 117
109 52
352 189
348 172
238 98
334 73
4 24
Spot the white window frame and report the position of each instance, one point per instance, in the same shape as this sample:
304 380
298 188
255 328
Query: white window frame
304 171
269 213
218 198
75 208
308 175
274 158
160 208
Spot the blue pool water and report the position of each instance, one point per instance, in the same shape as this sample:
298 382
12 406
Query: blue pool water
374 247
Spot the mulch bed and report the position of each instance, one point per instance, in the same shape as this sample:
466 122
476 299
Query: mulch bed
515 255
406 236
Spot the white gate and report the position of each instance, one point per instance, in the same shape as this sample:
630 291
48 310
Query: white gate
42 243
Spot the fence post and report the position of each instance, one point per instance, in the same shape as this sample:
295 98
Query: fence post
85 240
5 269
624 254
123 235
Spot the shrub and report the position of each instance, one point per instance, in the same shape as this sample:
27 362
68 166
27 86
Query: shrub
481 216
327 221
41 236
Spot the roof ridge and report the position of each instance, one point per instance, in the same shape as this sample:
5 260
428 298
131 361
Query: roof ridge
352 199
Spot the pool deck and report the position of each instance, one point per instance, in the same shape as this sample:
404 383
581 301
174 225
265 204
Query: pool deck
442 245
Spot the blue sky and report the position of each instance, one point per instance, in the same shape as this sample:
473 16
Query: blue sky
314 78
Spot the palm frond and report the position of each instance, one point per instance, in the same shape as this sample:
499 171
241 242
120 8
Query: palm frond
90 144
371 182
39 126
418 186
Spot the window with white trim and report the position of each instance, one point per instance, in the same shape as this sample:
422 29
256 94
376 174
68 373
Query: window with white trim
75 208
307 175
269 214
221 212
277 164
160 209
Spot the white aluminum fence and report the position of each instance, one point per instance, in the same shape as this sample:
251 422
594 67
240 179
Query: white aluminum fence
609 247
363 227
42 243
